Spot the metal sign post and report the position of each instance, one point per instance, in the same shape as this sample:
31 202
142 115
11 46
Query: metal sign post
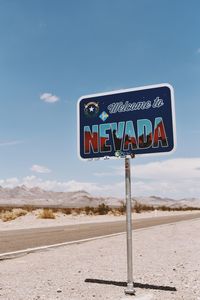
130 288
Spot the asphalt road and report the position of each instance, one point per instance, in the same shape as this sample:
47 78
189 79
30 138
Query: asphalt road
13 240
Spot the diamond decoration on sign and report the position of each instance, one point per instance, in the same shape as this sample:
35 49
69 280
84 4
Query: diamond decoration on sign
104 116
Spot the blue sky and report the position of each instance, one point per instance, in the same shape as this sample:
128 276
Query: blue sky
72 48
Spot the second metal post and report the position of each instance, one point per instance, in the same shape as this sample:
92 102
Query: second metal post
130 288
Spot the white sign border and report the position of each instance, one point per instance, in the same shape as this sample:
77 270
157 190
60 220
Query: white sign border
124 91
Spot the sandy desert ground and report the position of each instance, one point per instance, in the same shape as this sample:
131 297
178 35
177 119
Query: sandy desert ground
165 257
31 220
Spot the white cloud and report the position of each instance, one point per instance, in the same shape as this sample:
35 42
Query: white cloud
198 50
53 185
49 98
177 168
174 178
10 143
10 182
171 169
40 169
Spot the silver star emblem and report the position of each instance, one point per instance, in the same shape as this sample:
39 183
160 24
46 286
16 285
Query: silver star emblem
91 108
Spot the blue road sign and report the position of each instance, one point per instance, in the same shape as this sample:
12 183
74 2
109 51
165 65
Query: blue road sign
127 122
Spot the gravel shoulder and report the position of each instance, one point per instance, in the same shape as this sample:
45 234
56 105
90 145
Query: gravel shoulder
164 256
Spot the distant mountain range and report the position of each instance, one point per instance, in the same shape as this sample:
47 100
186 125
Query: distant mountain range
22 195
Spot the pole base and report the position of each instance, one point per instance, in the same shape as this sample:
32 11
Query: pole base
129 289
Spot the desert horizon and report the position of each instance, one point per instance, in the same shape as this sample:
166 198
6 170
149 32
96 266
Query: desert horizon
22 195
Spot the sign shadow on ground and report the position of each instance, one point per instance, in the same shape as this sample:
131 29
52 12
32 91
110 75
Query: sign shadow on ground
136 284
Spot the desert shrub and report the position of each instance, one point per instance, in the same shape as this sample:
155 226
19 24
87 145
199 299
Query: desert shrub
90 210
54 209
122 208
146 207
192 208
19 212
29 208
164 208
12 214
103 209
46 213
87 210
78 210
66 211
4 209
8 216
137 207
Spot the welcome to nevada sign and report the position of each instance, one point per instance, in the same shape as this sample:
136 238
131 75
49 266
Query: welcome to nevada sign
127 122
